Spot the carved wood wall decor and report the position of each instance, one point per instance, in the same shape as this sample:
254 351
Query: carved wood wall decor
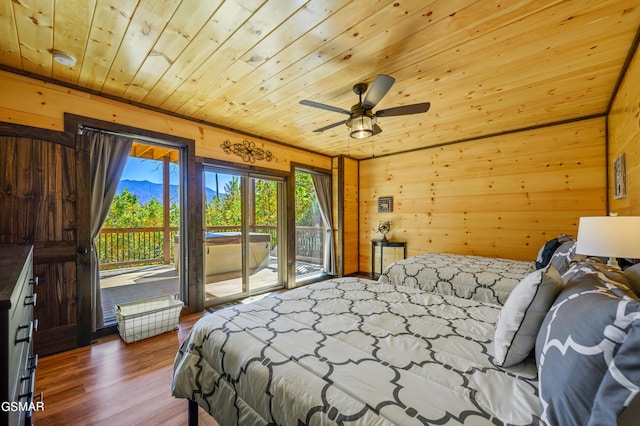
247 151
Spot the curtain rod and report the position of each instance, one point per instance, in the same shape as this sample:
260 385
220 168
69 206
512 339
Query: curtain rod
82 128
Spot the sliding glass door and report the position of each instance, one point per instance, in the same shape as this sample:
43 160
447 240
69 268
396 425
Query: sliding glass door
244 234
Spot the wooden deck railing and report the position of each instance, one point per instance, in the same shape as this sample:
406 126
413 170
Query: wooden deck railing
125 247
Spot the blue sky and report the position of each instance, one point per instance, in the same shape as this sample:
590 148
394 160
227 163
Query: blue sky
141 169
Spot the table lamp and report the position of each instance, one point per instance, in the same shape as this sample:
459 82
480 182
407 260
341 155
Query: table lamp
609 236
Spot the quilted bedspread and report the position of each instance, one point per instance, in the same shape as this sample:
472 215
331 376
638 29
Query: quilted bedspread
485 279
355 352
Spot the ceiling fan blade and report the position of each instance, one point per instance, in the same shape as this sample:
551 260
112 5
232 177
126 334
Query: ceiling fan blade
330 126
404 110
378 89
325 107
376 129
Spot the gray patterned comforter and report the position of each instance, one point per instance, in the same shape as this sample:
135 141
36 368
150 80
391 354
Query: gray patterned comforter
355 352
484 279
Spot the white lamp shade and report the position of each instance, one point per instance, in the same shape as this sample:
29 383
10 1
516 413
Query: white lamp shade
609 236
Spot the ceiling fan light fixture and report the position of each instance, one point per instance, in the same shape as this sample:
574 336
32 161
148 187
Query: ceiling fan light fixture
362 121
361 127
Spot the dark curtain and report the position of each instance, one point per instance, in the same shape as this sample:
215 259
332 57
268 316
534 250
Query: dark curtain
322 185
109 154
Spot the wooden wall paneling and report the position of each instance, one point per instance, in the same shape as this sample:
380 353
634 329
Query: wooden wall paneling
62 138
56 309
54 231
350 212
499 196
30 102
345 207
39 192
8 148
624 138
338 219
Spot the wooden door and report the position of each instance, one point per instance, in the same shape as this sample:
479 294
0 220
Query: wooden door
38 206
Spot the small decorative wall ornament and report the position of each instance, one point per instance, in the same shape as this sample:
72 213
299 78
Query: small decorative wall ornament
248 151
384 228
619 177
385 204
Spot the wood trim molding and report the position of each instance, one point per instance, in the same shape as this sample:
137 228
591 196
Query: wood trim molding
340 197
492 135
18 130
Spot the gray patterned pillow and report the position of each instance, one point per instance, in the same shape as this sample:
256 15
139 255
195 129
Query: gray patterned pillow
549 249
563 256
585 373
523 312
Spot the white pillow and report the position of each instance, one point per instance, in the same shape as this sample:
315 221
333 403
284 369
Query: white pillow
522 314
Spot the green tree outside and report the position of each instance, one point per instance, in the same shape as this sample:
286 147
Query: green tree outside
225 209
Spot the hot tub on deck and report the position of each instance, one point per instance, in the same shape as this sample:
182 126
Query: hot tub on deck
223 252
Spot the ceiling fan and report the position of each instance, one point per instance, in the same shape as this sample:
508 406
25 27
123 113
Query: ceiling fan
362 120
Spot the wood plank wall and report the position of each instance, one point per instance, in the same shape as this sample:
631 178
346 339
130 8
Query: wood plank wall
346 199
624 138
501 196
31 102
38 207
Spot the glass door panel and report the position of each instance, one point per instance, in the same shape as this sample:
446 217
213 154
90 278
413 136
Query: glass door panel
243 226
222 250
263 233
309 229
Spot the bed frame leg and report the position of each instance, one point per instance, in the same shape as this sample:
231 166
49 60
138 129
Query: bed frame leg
193 413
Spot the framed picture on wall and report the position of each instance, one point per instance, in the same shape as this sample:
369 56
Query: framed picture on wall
385 204
619 178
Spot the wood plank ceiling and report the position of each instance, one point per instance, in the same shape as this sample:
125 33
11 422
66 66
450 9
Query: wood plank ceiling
485 66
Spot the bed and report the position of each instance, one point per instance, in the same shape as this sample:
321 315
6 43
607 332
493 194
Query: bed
561 350
486 279
353 351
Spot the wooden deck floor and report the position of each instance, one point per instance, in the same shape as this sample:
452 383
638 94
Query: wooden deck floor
136 283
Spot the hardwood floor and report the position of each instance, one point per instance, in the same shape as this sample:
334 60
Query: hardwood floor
114 383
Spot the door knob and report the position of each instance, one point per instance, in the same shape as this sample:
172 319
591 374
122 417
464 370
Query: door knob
83 250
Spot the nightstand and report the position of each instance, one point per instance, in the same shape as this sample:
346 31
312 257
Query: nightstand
385 252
